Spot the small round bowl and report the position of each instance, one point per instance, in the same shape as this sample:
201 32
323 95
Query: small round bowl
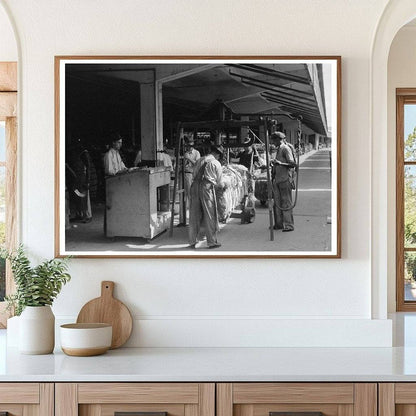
84 340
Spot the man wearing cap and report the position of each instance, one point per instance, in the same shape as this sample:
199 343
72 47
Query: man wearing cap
207 175
282 188
190 157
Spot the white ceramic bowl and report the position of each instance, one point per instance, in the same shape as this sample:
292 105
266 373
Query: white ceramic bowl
84 340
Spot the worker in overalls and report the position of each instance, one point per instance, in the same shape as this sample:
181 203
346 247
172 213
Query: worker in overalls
207 175
190 157
282 186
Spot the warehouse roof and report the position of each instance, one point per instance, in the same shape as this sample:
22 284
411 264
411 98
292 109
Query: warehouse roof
245 87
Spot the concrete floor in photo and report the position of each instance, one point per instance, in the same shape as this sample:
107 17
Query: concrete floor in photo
312 217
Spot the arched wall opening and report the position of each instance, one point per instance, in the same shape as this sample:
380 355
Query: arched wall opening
397 14
401 74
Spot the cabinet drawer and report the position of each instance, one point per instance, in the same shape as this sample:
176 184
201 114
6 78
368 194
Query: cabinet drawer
19 393
107 399
138 393
296 399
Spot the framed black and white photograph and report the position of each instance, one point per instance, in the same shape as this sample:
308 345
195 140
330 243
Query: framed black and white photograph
205 157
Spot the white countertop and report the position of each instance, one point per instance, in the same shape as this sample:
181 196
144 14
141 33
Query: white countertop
213 364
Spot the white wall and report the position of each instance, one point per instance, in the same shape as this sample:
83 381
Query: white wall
211 302
8 46
401 74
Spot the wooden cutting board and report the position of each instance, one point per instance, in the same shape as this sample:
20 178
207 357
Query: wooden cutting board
107 309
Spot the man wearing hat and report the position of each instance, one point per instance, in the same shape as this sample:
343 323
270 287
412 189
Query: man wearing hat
207 175
282 188
190 157
249 156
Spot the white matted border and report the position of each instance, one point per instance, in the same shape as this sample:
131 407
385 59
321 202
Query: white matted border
334 61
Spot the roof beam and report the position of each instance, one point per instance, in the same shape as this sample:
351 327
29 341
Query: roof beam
273 73
310 100
220 124
318 90
292 90
283 100
298 108
187 73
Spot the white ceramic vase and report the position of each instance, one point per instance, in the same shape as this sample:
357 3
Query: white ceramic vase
37 330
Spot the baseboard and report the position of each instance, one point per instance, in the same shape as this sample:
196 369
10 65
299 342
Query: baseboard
258 332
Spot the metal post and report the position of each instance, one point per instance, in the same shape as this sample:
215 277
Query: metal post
182 197
270 201
175 184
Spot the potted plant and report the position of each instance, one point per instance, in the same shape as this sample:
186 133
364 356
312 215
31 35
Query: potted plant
36 289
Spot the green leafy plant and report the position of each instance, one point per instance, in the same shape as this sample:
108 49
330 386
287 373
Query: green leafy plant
35 286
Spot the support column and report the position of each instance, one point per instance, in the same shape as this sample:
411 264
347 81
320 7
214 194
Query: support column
148 122
150 117
316 146
243 130
262 133
159 115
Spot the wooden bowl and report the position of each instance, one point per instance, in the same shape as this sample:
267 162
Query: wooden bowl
84 340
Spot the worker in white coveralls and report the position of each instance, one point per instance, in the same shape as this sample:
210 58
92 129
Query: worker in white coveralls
207 175
190 157
113 163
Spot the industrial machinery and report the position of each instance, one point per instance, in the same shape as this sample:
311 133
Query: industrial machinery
261 121
212 126
137 203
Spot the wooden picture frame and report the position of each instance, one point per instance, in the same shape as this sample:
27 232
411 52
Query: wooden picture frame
273 114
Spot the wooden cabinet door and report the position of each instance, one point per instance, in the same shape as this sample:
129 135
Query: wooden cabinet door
397 399
153 399
297 399
27 399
